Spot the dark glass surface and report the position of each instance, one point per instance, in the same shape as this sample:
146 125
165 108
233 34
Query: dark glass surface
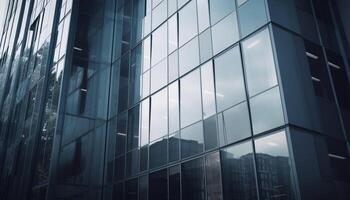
193 180
210 133
158 153
118 191
121 134
133 128
132 162
174 147
143 187
238 176
174 183
131 189
192 141
143 158
274 167
158 185
213 176
119 168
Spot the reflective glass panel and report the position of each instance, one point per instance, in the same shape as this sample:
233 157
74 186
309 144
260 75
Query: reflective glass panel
146 84
132 162
190 99
213 176
237 123
259 63
205 44
159 76
159 14
133 128
143 187
145 122
172 28
159 115
146 53
238 176
225 33
210 133
272 154
159 44
208 91
266 111
174 147
219 9
121 134
119 168
187 23
252 15
158 153
158 185
131 189
174 110
192 141
203 14
189 56
144 158
174 183
173 66
193 180
229 79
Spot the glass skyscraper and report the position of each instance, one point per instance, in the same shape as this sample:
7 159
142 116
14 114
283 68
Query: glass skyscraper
174 99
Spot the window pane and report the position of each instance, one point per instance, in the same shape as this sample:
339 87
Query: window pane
131 189
266 111
252 15
133 128
173 66
159 115
259 63
159 44
172 24
187 23
143 187
192 140
159 76
272 154
158 185
238 172
190 99
181 3
172 7
193 180
174 183
158 153
225 33
237 123
205 45
229 79
146 53
203 15
159 14
213 172
119 168
174 147
210 133
219 9
208 92
145 122
143 158
146 84
121 134
132 162
174 109
135 76
189 56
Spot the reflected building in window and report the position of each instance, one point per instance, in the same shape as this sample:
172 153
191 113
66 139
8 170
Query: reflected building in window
174 99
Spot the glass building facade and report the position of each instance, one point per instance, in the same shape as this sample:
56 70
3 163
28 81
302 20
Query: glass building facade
174 99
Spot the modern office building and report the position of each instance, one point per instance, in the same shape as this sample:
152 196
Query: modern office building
174 99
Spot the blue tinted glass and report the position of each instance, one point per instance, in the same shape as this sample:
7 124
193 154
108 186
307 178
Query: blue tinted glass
159 75
158 153
192 141
266 111
210 133
158 185
174 183
225 33
132 162
174 147
213 176
133 128
237 123
205 45
229 80
131 189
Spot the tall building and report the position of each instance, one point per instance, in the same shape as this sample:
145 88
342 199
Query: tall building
174 99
